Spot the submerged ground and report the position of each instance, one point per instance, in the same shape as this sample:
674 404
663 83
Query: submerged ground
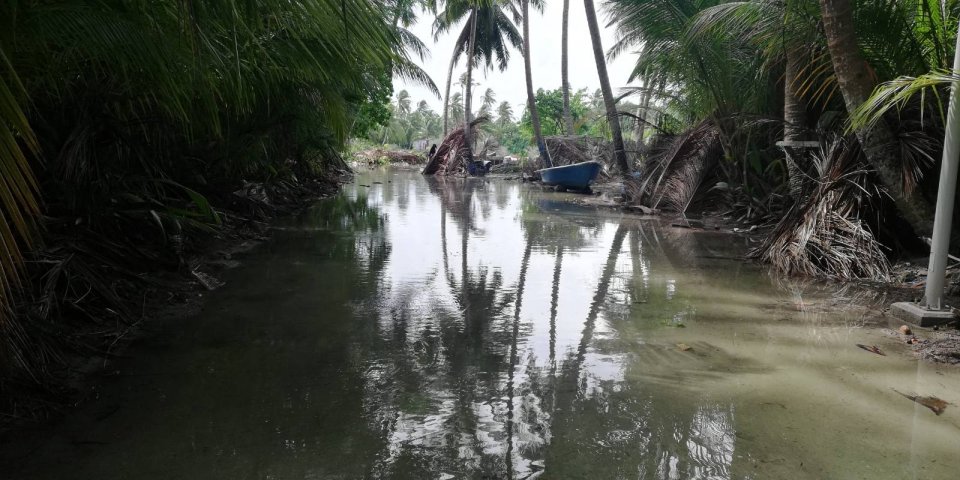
444 328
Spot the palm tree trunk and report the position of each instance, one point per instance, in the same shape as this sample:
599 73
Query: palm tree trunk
642 112
468 87
794 117
572 369
531 99
878 143
564 64
514 358
794 113
619 154
446 96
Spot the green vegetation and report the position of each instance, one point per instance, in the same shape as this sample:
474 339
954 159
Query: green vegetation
587 114
504 133
131 132
753 73
130 123
405 125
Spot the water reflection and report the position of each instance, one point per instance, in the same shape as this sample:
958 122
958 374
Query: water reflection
419 328
489 368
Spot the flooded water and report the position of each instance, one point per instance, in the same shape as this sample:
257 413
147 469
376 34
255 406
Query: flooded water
416 328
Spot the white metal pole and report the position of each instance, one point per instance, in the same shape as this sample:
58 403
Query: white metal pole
936 273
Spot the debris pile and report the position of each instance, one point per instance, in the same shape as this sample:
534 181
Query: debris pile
943 347
823 234
453 153
379 155
576 149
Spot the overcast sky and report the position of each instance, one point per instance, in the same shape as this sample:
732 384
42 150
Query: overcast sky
545 45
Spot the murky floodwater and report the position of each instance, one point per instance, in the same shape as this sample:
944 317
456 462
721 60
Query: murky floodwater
430 329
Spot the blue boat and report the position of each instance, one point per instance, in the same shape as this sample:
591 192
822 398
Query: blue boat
576 176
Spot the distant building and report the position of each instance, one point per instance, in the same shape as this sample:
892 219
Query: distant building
421 144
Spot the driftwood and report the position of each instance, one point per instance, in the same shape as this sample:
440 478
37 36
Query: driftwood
453 153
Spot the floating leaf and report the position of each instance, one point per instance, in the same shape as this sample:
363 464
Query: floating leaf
935 404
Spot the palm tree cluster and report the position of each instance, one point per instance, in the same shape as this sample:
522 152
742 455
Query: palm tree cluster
488 29
419 128
759 72
128 124
408 125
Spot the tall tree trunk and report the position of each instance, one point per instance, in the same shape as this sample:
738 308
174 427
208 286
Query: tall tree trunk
467 101
446 96
619 154
794 113
642 111
879 143
531 99
564 67
794 118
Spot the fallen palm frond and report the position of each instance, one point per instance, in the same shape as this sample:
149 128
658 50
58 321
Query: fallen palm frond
567 150
453 153
824 234
671 176
570 150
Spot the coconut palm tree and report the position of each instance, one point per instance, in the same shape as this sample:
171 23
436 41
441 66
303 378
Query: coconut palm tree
456 107
487 33
785 32
613 118
531 99
860 51
564 68
504 114
489 100
856 84
403 103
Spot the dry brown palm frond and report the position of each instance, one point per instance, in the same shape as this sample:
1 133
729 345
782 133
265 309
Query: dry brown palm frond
567 150
450 157
823 234
672 175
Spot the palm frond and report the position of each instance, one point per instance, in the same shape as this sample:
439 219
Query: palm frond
18 189
825 234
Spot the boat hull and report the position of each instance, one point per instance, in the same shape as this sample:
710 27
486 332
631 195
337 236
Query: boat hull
578 175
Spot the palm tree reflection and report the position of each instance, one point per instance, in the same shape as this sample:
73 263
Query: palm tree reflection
456 388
